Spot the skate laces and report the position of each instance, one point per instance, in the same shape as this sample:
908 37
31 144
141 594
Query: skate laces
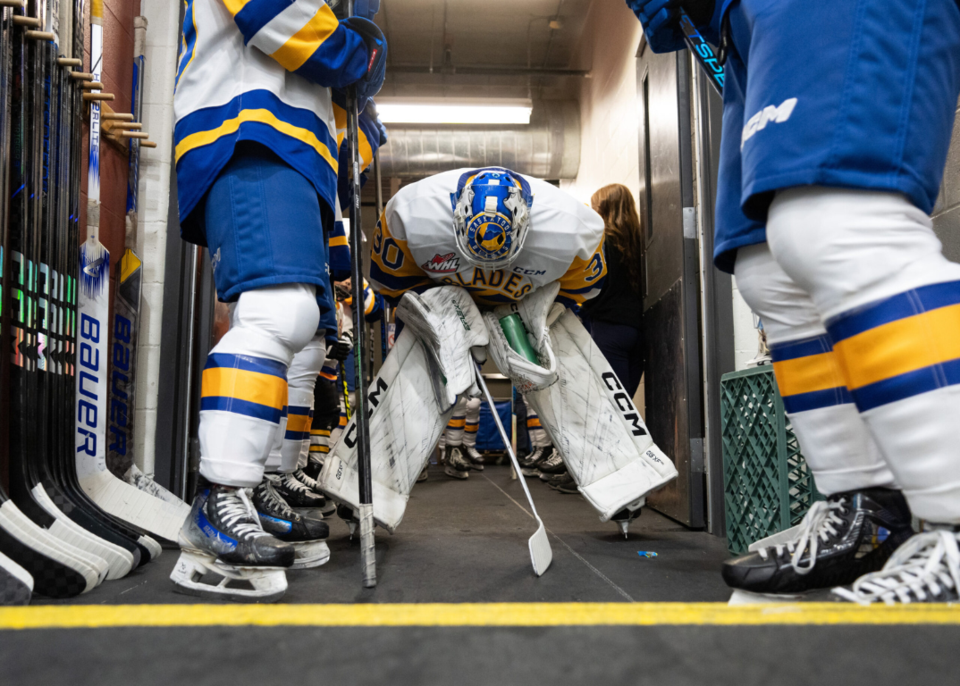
820 521
238 514
291 482
270 494
927 564
304 479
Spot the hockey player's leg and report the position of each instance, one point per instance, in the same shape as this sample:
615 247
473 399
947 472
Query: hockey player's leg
891 303
863 503
540 445
455 463
244 392
470 428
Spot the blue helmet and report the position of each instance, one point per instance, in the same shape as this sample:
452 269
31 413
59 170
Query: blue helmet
491 215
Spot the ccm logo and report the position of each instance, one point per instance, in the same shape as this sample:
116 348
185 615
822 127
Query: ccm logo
351 438
620 397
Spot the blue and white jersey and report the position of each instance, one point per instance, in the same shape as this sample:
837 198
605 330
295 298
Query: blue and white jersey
414 247
260 70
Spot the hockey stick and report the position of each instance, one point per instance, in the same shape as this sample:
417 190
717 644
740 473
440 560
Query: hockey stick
541 554
368 560
702 52
113 495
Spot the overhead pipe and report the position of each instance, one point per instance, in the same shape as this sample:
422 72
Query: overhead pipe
548 147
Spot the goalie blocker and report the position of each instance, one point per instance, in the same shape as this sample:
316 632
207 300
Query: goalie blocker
593 423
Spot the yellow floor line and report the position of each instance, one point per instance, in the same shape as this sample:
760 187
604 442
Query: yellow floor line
470 614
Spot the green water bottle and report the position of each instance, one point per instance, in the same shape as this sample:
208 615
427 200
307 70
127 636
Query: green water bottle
516 334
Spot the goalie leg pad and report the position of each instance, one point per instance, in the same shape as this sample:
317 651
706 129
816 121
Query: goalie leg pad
595 426
406 420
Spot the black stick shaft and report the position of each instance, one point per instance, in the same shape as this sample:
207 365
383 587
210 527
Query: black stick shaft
702 51
368 560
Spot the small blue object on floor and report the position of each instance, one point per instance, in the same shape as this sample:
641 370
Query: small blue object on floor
646 553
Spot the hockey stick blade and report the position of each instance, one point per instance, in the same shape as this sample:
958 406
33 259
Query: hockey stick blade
702 52
541 554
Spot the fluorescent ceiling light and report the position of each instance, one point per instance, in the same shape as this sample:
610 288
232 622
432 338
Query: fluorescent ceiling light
448 111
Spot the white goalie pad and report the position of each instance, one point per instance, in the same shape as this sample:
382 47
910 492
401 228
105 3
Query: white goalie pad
448 324
595 426
406 419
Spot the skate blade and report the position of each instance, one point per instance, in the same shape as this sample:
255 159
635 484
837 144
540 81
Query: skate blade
453 473
541 554
262 584
310 554
741 597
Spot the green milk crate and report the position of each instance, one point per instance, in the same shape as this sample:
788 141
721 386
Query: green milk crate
767 484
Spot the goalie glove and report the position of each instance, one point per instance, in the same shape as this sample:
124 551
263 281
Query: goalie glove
537 311
448 324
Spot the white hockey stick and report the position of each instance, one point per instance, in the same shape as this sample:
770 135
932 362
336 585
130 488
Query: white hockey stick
541 554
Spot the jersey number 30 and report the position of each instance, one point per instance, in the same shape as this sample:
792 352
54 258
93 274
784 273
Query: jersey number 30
390 253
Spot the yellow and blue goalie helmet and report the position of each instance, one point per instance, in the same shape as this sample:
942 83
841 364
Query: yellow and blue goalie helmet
491 216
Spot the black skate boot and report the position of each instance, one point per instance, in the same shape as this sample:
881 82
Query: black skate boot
528 464
299 497
925 569
848 535
551 466
563 483
222 536
327 508
457 465
313 468
473 457
305 533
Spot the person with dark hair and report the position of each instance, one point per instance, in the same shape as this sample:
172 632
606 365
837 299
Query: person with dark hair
615 317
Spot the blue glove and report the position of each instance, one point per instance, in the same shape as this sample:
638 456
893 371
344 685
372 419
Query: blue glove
381 129
370 84
661 20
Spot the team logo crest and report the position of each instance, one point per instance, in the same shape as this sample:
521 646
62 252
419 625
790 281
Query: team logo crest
442 264
488 235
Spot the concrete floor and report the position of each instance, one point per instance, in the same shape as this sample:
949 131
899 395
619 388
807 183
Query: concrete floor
467 542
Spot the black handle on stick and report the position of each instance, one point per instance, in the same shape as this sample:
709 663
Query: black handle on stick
702 51
368 559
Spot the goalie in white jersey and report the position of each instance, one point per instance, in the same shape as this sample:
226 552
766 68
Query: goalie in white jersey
510 244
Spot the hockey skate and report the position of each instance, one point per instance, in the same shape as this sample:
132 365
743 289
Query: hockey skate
840 539
563 483
424 475
925 569
301 475
624 517
222 536
551 466
457 465
303 500
473 457
278 519
529 463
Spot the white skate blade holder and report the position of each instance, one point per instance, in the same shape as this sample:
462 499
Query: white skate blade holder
541 554
242 584
310 554
740 597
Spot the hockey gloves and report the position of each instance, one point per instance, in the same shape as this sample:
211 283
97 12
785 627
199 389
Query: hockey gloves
340 350
370 84
661 20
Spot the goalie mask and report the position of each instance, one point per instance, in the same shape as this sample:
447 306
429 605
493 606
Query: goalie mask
491 216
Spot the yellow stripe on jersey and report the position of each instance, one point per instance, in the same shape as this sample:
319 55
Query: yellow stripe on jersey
808 374
298 423
583 275
230 126
339 242
234 6
301 45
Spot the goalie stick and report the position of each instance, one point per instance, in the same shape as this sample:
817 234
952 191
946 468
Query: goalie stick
541 554
126 312
117 497
368 560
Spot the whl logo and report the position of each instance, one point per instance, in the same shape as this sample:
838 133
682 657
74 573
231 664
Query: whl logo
442 264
